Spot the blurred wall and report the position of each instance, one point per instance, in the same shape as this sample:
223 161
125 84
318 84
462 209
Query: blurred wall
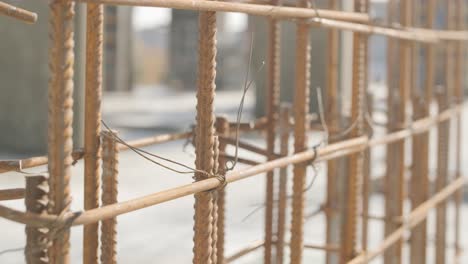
183 48
318 43
118 48
24 74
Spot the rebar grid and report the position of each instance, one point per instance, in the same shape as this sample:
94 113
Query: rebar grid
332 151
210 205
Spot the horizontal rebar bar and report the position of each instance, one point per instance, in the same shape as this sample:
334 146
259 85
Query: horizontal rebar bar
251 9
18 13
246 146
12 194
244 251
428 36
260 243
18 165
239 159
321 17
328 152
322 247
448 35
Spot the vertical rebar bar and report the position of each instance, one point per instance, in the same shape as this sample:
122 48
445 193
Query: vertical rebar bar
444 98
93 90
421 100
389 254
458 92
284 127
395 178
60 118
301 125
214 213
366 172
333 121
36 201
204 138
222 128
110 172
354 181
272 96
367 106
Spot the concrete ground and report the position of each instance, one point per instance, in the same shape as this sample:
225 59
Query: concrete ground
163 233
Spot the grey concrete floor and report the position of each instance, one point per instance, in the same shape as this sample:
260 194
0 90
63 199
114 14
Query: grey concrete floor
163 233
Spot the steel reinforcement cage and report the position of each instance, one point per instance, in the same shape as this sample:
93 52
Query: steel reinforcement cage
48 218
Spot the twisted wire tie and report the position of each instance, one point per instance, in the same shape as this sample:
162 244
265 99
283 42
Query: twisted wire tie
55 230
221 178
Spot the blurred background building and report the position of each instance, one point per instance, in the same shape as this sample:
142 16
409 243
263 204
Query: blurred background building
153 52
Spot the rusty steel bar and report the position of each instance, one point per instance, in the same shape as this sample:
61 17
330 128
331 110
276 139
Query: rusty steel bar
284 128
421 100
458 92
12 194
272 107
395 178
204 139
214 217
258 124
326 153
414 218
366 154
246 146
222 128
239 159
391 126
333 121
413 34
444 98
301 109
444 35
280 12
327 248
356 163
36 202
17 13
92 150
60 118
110 172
